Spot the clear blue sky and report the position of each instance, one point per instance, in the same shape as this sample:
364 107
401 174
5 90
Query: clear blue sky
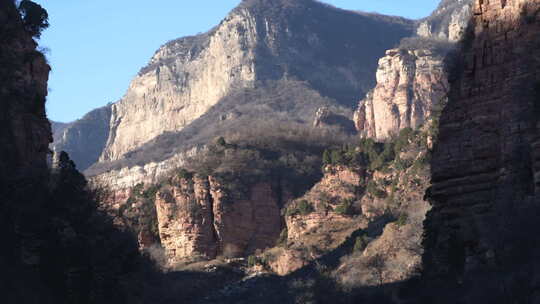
98 46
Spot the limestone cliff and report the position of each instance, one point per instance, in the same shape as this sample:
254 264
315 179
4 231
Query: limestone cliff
485 164
409 84
448 22
259 41
412 79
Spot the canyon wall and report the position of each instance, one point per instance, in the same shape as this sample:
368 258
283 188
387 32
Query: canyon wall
47 218
485 174
409 84
199 218
25 132
258 43
412 79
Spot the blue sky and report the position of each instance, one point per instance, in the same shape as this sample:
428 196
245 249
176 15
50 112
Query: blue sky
98 46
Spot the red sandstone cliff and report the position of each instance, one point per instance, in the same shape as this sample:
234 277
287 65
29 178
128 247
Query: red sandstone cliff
200 218
485 168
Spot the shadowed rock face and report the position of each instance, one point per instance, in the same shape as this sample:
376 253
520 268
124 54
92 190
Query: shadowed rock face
85 138
25 132
485 169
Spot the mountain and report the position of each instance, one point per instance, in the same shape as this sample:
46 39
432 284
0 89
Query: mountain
84 138
57 129
324 217
261 49
230 196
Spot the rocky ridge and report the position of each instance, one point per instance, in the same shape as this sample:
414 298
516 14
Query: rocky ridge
257 44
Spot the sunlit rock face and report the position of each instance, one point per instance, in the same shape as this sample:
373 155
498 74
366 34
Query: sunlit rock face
258 41
449 21
183 80
412 80
409 84
197 218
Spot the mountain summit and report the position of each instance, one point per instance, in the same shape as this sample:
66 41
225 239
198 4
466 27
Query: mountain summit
328 52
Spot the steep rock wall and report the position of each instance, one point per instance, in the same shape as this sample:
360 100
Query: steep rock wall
25 133
485 164
412 79
183 80
199 218
409 84
259 41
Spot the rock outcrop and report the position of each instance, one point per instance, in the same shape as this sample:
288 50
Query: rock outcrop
409 84
356 213
412 79
485 169
199 218
258 41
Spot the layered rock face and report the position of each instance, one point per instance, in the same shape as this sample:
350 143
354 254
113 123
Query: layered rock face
409 84
197 218
412 80
84 138
485 164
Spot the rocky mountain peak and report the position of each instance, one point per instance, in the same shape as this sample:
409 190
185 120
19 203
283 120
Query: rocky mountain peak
259 43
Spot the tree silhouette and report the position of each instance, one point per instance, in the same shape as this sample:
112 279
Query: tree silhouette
35 17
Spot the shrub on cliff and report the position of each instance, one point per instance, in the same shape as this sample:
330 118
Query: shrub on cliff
345 207
302 207
361 243
374 190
